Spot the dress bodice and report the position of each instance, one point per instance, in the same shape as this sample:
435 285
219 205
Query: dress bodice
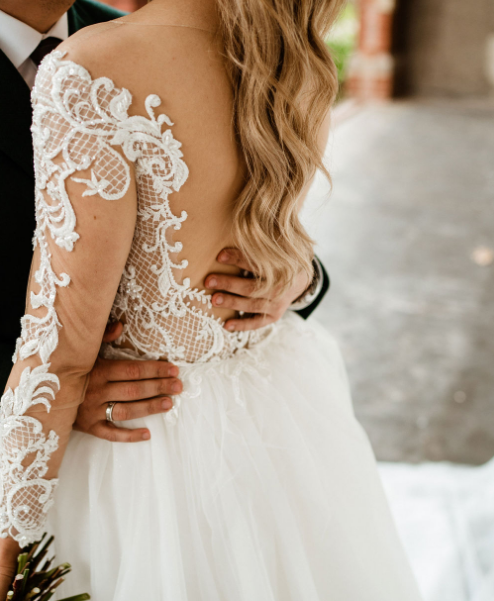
81 123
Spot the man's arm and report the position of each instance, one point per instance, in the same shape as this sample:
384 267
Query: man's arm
311 299
239 293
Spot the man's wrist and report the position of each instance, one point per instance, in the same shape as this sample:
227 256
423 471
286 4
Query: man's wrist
313 290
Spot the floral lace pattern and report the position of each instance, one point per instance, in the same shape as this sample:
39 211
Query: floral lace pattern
81 124
25 495
164 317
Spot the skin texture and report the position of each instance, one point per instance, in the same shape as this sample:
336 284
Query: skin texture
9 550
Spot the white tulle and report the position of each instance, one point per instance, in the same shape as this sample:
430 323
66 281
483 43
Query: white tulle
270 496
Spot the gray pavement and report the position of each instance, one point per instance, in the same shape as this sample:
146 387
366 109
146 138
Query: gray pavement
406 236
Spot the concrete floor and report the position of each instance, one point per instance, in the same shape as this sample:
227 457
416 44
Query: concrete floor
410 218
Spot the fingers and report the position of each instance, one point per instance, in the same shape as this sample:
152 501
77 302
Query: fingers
90 421
113 331
108 431
138 390
123 412
232 256
231 283
240 303
118 371
249 323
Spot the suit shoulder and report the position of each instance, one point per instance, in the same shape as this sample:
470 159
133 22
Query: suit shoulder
90 12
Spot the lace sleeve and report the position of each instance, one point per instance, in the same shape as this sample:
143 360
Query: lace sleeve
82 155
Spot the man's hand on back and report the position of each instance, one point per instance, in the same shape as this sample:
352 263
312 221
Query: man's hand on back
239 293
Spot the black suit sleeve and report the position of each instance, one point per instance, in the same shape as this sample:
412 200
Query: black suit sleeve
304 313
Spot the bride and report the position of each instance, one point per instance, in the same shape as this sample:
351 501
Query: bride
159 139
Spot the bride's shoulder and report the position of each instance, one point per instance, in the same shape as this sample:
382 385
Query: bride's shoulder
142 59
100 48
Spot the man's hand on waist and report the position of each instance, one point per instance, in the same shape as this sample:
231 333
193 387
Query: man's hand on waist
136 389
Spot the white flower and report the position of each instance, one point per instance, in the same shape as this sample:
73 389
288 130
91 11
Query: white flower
94 185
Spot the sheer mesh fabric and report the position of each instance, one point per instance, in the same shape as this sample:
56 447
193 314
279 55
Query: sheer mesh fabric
82 126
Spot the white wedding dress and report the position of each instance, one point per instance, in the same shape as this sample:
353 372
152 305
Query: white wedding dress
259 485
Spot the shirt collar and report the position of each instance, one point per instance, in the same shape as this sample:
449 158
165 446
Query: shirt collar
18 40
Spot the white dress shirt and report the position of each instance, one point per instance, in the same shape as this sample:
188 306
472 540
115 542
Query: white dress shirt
18 41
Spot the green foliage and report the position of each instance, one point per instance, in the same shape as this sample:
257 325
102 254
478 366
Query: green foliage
36 580
343 38
341 51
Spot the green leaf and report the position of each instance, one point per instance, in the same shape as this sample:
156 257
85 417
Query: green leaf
34 584
21 562
24 582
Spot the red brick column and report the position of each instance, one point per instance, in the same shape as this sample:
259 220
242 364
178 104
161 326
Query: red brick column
370 75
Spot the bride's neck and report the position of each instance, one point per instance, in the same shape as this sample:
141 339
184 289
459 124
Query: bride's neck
193 13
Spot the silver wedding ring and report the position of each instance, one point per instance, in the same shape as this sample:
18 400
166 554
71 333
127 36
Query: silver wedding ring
109 411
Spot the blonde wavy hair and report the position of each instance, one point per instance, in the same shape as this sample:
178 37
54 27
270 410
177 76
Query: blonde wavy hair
284 81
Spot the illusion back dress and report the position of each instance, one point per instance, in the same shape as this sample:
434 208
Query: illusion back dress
259 485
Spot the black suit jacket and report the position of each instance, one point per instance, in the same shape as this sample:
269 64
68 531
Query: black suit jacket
17 219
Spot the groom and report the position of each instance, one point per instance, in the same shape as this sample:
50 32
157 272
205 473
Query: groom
30 29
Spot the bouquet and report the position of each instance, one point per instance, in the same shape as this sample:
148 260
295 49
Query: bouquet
36 580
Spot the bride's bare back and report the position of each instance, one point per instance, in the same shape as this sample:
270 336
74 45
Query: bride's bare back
184 67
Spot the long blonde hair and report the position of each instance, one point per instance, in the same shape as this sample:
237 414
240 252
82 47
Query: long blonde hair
284 81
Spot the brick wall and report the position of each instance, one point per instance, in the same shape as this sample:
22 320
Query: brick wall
444 47
424 48
370 74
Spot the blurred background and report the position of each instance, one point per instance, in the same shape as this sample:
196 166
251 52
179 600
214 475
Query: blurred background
407 235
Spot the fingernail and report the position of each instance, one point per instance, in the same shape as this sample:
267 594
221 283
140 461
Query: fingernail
167 404
174 371
213 283
176 387
230 327
218 299
146 436
224 256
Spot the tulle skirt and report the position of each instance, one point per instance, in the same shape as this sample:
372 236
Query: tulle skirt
260 486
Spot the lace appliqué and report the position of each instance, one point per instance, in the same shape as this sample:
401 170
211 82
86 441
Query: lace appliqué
76 125
25 496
